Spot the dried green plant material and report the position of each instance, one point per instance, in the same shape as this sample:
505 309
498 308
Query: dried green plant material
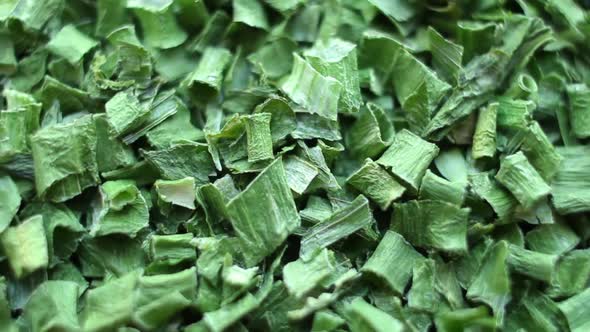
159 298
71 44
579 99
337 58
119 208
570 193
53 305
160 28
275 58
553 239
408 157
326 321
534 264
111 152
571 275
175 130
10 201
25 246
523 180
576 311
259 137
463 319
316 93
300 173
384 264
205 81
65 170
363 316
262 222
492 282
536 311
172 249
111 304
302 277
446 56
423 294
514 115
377 184
487 188
226 316
452 165
341 224
437 188
371 133
175 194
432 224
282 119
7 59
181 161
484 138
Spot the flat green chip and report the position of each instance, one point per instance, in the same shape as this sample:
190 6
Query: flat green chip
71 44
26 246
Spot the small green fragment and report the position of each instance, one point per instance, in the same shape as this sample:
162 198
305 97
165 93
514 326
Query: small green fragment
26 246
377 184
523 181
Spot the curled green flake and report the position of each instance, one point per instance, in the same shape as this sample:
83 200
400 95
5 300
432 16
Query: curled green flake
384 263
205 81
261 221
181 193
160 29
310 89
172 249
300 173
502 202
446 55
53 306
523 181
365 317
572 181
226 316
274 59
408 157
464 319
301 277
25 246
553 239
435 187
514 115
534 264
376 184
579 98
571 275
371 133
432 224
576 311
484 138
423 294
250 13
65 170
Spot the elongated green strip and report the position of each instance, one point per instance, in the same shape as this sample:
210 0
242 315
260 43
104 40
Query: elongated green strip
514 115
408 157
371 133
261 221
310 89
226 316
435 187
577 311
572 181
503 203
10 201
376 184
259 137
446 56
365 317
492 283
341 224
423 295
579 98
523 181
205 81
484 138
392 262
300 173
531 263
301 277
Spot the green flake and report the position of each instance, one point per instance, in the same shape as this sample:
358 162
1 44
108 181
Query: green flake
514 115
259 137
576 311
301 277
393 262
535 312
250 13
338 59
71 44
408 157
160 29
10 201
300 173
579 98
423 294
533 264
53 306
25 246
111 15
226 316
371 133
65 170
344 222
174 130
572 181
432 224
262 222
172 249
435 188
35 14
523 181
205 81
326 321
502 202
111 152
446 56
375 183
181 161
362 316
316 93
125 113
282 120
274 59
477 318
553 239
484 138
7 59
571 275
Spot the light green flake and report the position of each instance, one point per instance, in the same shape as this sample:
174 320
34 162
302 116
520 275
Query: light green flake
181 161
250 13
423 294
259 137
579 98
302 277
25 246
487 188
160 29
376 184
571 187
10 200
125 113
553 239
180 193
435 187
446 56
408 157
205 81
484 138
523 181
226 316
571 275
261 221
300 173
53 306
577 311
314 92
533 264
71 44
365 317
371 133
